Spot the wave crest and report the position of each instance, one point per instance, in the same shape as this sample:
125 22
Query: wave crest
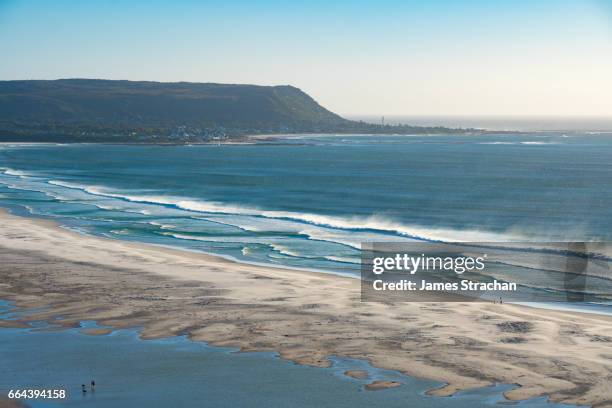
356 223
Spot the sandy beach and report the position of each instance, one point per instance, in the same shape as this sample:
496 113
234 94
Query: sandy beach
305 316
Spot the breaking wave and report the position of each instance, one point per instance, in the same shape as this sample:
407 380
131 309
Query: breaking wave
12 172
356 223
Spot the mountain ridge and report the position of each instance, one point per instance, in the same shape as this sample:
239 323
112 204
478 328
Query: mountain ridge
78 109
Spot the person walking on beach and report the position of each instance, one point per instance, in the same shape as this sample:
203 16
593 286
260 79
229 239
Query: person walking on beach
93 385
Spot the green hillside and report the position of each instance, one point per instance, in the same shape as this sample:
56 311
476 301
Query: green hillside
128 111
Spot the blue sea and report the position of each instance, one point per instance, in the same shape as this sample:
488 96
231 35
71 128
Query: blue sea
309 201
303 202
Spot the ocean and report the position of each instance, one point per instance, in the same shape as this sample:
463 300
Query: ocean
302 202
573 124
310 201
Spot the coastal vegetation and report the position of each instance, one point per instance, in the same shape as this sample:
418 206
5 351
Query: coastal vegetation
93 110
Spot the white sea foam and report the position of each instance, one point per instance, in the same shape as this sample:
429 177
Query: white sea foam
107 207
115 208
274 245
162 226
29 188
13 172
120 232
225 239
372 223
343 259
282 249
240 225
74 186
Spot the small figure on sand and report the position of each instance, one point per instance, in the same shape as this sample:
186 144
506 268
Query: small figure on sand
93 385
83 389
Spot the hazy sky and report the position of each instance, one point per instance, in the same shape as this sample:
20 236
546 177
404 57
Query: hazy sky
493 57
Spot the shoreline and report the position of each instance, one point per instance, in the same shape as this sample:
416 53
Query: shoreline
304 316
254 139
357 374
558 306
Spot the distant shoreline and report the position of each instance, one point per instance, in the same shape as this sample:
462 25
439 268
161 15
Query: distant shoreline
248 139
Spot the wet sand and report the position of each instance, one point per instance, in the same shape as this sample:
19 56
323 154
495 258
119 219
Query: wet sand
382 385
359 374
305 316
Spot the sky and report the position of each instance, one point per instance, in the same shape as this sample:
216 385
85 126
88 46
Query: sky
384 57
